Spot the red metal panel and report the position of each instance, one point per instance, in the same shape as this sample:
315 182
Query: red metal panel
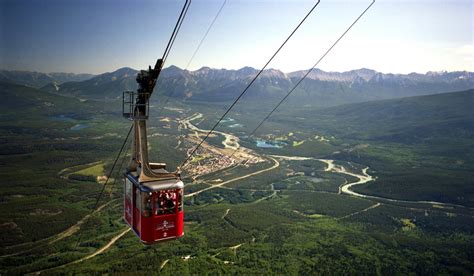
136 210
165 227
127 202
161 218
180 224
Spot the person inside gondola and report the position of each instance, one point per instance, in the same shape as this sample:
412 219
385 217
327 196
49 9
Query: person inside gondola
165 203
169 203
146 205
160 203
179 199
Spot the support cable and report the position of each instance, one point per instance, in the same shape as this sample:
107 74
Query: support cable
246 88
176 30
194 54
165 55
107 180
120 170
305 75
117 174
205 35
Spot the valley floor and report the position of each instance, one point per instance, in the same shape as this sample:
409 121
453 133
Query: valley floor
295 201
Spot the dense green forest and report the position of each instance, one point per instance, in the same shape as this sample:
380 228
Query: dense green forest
292 219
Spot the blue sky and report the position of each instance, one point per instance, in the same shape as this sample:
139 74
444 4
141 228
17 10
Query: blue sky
96 36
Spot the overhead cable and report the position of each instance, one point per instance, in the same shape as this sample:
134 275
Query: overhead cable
246 88
193 55
307 73
176 30
108 177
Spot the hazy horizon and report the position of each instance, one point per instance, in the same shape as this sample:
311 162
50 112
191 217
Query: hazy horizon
214 68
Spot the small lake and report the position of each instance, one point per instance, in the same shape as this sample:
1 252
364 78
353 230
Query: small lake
77 127
270 144
316 179
231 123
236 125
62 118
227 120
68 119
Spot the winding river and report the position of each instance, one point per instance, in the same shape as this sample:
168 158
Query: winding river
231 142
363 178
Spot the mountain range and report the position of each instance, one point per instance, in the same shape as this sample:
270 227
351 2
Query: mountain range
37 79
320 88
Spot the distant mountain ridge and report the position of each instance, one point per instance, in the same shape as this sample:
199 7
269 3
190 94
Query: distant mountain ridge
370 75
37 79
367 75
320 88
107 85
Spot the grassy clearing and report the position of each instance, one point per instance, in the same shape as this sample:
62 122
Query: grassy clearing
97 169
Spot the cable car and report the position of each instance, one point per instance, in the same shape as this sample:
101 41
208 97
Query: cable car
153 200
154 209
153 197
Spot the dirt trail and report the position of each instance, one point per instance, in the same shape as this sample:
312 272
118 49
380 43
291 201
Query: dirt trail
361 211
164 263
274 192
105 247
90 256
235 247
73 229
57 237
226 213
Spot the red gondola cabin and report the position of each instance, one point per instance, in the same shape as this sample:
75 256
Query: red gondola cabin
153 201
154 210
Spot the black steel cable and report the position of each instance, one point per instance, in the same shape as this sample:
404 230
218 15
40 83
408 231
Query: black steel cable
107 180
248 86
176 30
192 57
176 35
205 35
305 75
119 171
165 55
